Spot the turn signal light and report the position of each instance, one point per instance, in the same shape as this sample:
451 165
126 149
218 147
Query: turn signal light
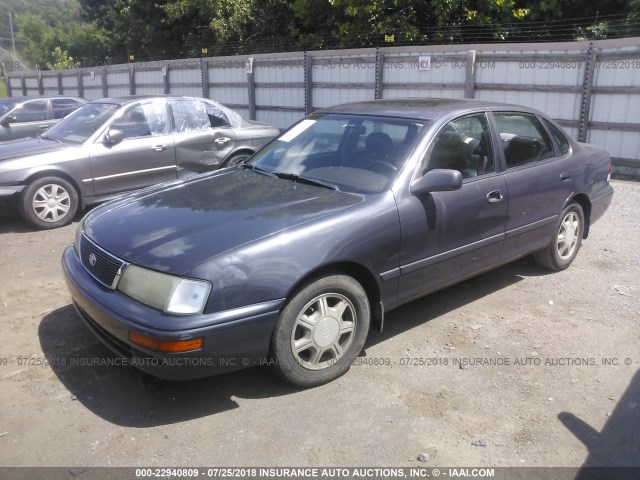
163 346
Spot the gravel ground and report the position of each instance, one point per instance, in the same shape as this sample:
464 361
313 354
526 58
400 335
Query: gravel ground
536 369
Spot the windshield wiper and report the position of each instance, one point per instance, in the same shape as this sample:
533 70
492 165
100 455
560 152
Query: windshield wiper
307 180
258 169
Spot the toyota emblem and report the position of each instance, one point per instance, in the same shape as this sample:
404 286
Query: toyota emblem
92 259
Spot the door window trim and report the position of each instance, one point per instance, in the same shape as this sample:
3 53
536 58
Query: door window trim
127 108
495 146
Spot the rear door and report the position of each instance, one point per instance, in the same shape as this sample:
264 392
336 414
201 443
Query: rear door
538 182
204 136
144 157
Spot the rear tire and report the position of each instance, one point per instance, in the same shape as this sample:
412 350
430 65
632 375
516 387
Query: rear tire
321 331
565 245
49 202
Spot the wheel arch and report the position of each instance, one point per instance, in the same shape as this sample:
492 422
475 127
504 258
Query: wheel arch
49 172
358 272
57 173
239 151
583 200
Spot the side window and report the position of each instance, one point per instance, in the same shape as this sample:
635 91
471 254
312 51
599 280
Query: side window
35 111
464 144
146 120
217 118
190 116
562 141
523 138
63 107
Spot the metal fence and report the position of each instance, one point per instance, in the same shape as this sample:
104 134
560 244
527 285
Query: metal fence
591 88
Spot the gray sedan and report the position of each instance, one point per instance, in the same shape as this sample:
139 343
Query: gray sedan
117 145
289 258
22 117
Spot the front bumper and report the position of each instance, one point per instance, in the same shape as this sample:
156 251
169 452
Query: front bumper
9 195
233 339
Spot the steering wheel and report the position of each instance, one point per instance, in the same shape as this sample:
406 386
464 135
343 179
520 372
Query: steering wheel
382 165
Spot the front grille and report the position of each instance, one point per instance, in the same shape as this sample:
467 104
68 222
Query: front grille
103 266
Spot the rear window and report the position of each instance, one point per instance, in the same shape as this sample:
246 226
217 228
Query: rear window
523 138
190 116
63 107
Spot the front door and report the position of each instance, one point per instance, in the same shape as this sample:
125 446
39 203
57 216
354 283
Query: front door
448 236
145 156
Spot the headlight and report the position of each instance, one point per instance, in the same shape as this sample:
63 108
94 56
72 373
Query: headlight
181 296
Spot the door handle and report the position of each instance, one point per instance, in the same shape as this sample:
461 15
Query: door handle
495 196
222 140
159 148
564 176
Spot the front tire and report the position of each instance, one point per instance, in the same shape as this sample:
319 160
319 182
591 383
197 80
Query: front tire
321 331
565 245
49 202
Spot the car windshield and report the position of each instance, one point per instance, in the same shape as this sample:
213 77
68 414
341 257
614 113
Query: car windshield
78 126
6 105
351 153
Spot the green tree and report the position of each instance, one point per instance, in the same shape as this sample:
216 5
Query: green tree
34 36
236 25
38 37
366 22
88 44
62 60
179 28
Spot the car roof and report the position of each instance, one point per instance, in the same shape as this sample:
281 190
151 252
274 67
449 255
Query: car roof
132 98
19 99
418 108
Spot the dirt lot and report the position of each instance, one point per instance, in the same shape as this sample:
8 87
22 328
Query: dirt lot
515 357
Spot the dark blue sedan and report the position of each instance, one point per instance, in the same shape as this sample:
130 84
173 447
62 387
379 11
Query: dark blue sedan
287 259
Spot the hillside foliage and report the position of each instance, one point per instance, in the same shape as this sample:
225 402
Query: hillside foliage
54 34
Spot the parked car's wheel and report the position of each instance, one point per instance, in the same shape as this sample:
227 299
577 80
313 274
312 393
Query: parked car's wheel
321 331
566 243
236 159
49 202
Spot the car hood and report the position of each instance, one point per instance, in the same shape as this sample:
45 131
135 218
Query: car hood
29 146
181 225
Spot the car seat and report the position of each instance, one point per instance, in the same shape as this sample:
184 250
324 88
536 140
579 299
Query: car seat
521 150
450 152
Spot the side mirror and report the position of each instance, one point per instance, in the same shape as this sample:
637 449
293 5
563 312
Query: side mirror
113 136
438 180
7 120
